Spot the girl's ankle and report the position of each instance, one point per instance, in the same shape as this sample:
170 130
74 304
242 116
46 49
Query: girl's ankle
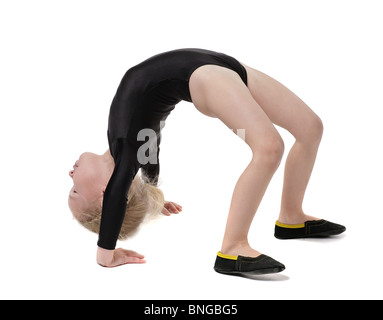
239 249
297 218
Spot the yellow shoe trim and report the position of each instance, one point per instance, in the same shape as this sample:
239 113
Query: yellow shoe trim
226 256
290 226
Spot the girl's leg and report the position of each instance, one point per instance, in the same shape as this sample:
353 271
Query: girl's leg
286 110
219 92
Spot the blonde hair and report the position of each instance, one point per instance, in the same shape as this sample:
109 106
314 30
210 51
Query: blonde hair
145 201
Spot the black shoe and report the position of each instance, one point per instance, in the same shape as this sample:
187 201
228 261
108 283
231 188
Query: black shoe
309 229
238 265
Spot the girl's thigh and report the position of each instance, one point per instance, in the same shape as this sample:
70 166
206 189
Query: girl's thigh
219 92
281 105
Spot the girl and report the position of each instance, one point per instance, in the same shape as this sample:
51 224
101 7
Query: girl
108 197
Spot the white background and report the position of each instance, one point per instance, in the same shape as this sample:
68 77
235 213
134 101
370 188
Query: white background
60 65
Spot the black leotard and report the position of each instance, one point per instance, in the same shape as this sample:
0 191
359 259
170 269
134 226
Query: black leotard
146 95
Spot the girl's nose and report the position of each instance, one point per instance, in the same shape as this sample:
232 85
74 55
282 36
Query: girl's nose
71 173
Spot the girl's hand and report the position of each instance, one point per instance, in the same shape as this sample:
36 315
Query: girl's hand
118 257
171 207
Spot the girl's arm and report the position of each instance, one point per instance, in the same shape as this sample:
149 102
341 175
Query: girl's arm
115 195
114 209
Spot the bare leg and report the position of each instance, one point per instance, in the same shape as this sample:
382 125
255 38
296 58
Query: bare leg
285 109
219 92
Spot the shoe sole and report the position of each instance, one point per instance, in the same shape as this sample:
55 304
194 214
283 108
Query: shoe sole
315 235
255 272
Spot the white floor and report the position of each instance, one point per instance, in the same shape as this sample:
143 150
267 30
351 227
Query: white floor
180 252
59 74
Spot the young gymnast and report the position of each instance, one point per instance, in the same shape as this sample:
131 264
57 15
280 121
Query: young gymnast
111 199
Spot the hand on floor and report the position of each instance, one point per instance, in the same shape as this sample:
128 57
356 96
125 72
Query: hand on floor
171 207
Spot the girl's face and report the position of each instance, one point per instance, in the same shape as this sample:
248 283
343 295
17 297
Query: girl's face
87 182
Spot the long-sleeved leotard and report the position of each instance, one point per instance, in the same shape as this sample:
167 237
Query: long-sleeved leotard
146 95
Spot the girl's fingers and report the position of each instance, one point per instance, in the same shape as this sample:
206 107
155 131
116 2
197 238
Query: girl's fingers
173 207
165 212
128 256
140 256
132 253
134 260
179 207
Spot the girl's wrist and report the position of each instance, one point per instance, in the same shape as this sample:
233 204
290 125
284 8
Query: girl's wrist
104 256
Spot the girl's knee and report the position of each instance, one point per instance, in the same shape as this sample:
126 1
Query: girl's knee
318 128
315 130
310 132
269 150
